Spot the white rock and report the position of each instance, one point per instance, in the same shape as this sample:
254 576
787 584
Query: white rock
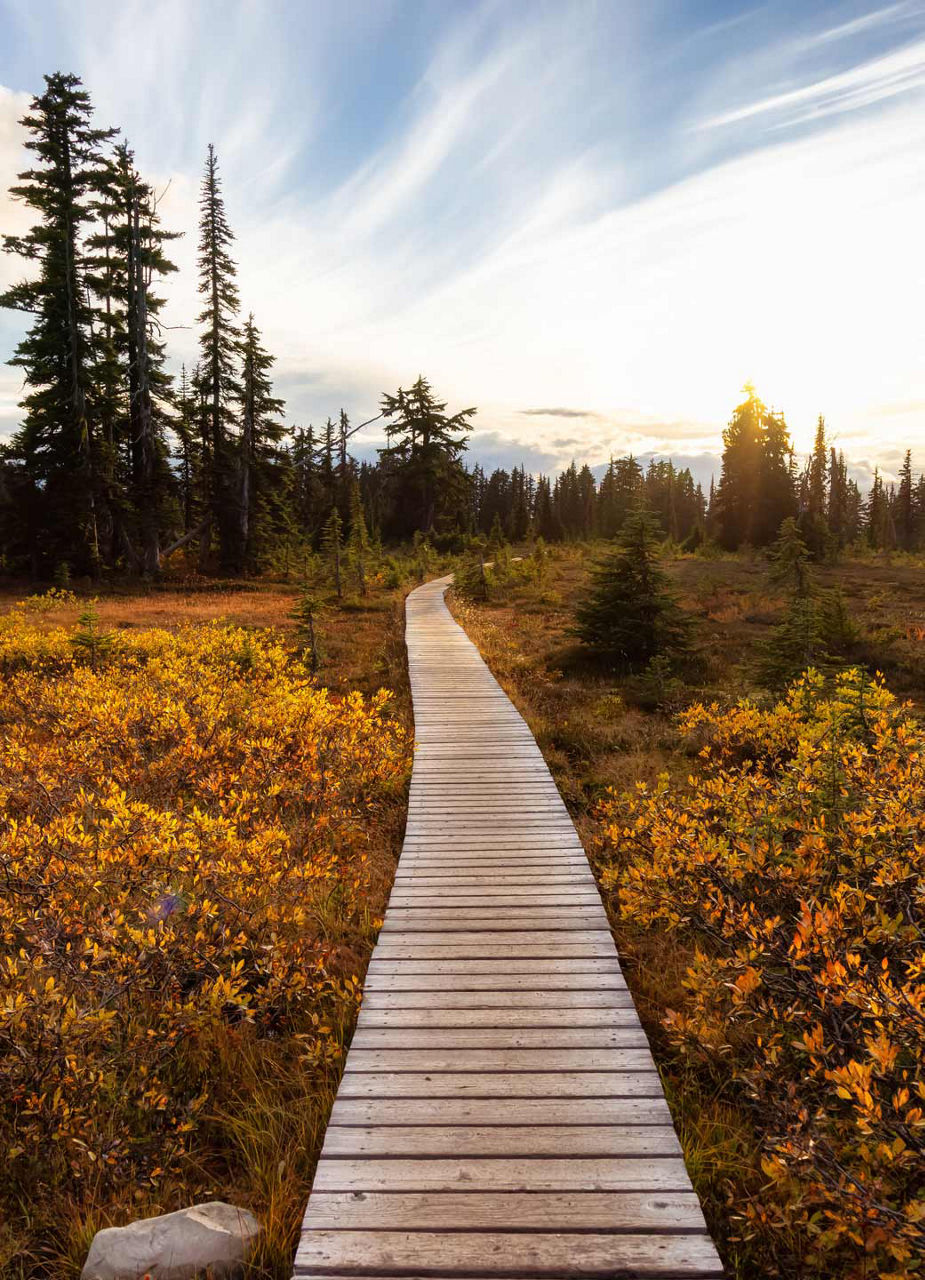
175 1246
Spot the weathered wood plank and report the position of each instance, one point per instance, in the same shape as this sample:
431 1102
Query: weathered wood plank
501 1111
633 1173
500 1084
395 979
547 968
503 1254
375 998
539 1018
429 1039
508 1141
632 1058
537 1211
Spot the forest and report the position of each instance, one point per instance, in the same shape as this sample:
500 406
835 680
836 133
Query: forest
119 464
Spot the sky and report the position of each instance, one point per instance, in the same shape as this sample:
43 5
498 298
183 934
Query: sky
595 220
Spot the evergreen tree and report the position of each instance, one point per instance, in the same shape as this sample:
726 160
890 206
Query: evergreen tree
332 548
795 643
220 344
904 518
358 538
305 616
128 257
814 524
877 516
422 457
629 615
261 432
756 490
59 444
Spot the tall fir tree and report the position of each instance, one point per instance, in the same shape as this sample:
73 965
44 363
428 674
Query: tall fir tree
129 256
905 515
814 523
756 488
59 445
261 432
220 347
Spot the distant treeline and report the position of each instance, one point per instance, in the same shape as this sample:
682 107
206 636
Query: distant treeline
117 465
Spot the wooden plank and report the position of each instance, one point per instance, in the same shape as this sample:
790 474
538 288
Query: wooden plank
412 899
541 1000
559 1254
439 1039
568 919
489 938
508 1141
412 977
500 1084
632 1058
535 1112
632 1173
497 951
502 1016
537 1211
547 968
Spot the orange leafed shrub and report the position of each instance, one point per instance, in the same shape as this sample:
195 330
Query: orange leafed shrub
794 862
182 823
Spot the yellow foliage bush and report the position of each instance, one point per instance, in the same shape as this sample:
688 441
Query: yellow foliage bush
185 832
794 861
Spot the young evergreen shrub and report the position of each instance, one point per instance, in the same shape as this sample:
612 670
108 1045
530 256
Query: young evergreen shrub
471 578
89 639
816 626
630 615
304 615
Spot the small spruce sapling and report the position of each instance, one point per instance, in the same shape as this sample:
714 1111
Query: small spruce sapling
89 639
629 615
305 615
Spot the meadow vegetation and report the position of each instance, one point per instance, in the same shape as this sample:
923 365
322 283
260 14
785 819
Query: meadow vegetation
760 853
199 840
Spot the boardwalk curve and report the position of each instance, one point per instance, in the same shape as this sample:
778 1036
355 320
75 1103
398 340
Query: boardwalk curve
500 1113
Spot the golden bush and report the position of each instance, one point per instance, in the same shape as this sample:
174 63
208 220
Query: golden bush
794 863
185 839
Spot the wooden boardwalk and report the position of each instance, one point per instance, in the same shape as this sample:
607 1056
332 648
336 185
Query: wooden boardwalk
500 1113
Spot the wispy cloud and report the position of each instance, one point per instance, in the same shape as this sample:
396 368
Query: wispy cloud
559 413
853 27
899 72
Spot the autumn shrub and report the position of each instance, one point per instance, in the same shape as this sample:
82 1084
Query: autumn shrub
793 865
185 854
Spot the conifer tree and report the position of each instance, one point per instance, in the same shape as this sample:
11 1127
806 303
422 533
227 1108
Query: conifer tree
128 257
220 345
261 431
184 427
358 538
904 519
59 441
814 524
756 490
332 548
798 642
422 456
630 615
